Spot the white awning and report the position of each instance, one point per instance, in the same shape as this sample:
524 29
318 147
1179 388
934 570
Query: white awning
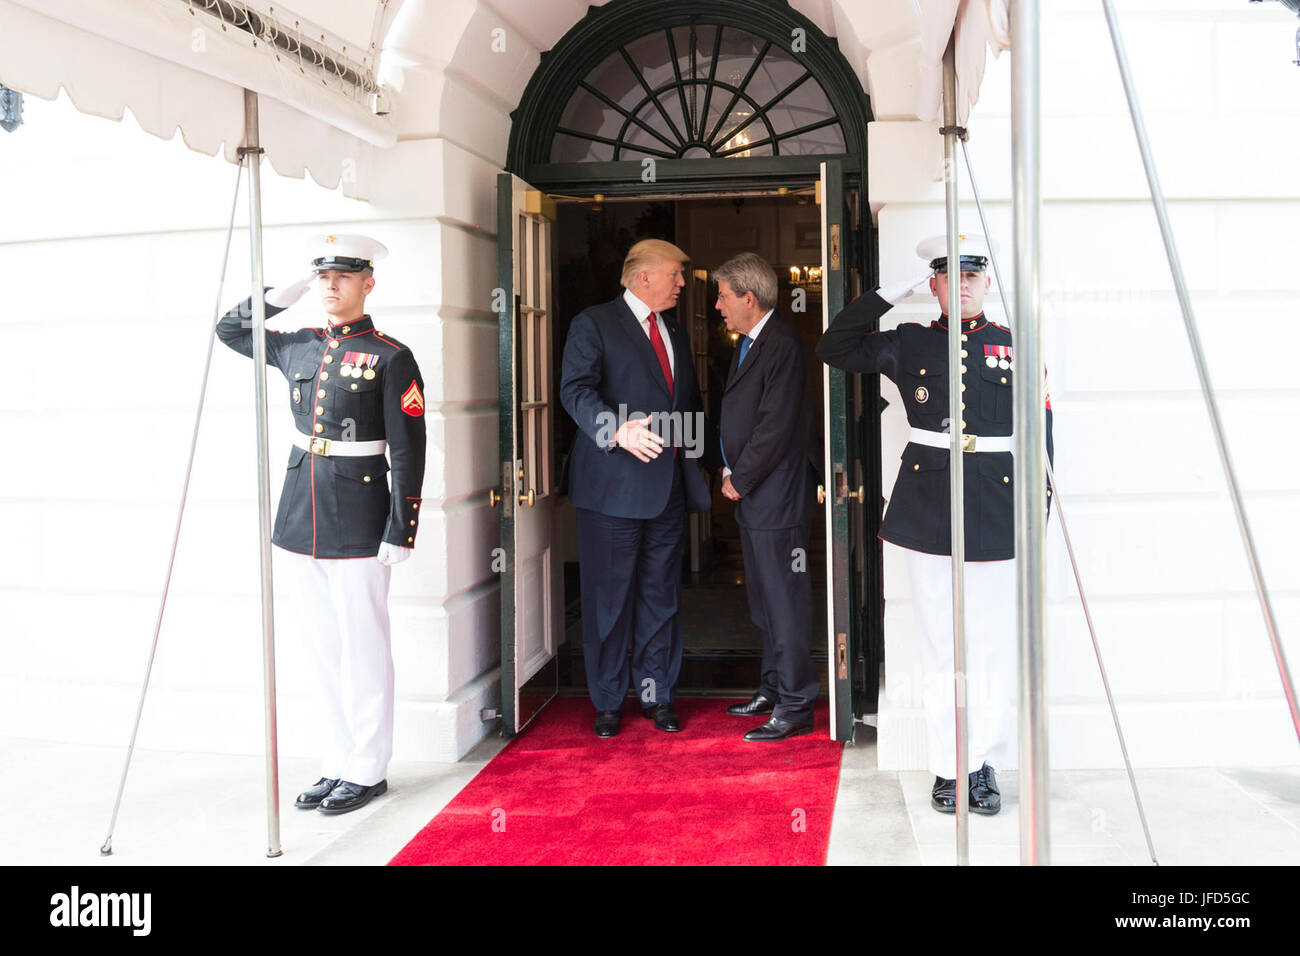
978 24
175 66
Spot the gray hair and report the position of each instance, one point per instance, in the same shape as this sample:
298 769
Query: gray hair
749 272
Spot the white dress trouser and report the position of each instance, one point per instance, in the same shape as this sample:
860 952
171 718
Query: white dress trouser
990 659
340 611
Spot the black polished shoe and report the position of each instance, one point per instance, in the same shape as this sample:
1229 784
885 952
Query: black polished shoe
985 797
778 729
607 722
310 798
346 797
756 705
664 716
944 795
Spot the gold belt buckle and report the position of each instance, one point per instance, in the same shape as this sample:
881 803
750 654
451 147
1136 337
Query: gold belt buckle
968 443
320 446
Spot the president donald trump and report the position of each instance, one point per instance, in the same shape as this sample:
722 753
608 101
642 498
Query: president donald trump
629 385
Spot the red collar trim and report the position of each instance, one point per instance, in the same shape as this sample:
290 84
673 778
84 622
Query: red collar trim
357 327
967 325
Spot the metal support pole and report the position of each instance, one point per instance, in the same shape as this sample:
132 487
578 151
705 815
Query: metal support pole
252 152
107 848
956 484
1198 355
1030 441
1065 533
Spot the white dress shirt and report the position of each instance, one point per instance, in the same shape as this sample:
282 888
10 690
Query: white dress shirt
643 313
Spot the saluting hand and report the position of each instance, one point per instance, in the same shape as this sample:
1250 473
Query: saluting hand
638 439
281 297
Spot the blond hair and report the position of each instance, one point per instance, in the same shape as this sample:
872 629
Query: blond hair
645 255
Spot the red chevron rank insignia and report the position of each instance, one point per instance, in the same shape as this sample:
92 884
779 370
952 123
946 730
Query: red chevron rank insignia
413 401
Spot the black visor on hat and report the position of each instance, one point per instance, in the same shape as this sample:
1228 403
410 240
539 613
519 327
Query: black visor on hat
339 264
968 264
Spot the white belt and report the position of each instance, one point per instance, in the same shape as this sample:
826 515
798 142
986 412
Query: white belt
969 443
339 449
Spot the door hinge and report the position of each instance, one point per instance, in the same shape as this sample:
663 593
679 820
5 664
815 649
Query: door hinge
537 203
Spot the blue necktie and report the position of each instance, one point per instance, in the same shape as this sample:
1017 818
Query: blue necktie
745 343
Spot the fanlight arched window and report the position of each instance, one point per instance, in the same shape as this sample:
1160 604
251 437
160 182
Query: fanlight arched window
694 92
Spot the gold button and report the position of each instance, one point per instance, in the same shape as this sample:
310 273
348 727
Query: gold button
410 540
922 371
354 386
319 410
963 426
347 329
319 428
324 376
334 345
963 386
1006 480
412 524
973 323
366 479
329 359
963 368
1004 380
963 405
1049 492
320 393
415 505
963 338
963 353
916 467
380 334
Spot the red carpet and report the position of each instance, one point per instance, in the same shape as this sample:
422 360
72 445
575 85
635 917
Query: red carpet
558 795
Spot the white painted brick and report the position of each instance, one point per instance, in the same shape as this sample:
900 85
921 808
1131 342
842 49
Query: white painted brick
471 467
469 361
1253 71
1251 668
468 264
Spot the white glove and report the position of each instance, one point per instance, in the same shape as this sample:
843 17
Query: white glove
281 297
391 554
896 292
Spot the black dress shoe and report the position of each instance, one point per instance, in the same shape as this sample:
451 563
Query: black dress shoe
778 729
944 795
310 798
756 705
346 797
607 722
985 797
664 716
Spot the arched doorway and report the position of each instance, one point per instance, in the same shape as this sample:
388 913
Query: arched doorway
685 84
713 124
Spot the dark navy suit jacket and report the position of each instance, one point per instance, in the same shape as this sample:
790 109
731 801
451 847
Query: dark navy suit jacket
611 367
766 427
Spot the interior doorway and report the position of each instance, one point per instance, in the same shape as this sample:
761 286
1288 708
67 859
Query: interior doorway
721 647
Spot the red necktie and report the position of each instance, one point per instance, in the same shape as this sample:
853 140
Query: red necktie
658 342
